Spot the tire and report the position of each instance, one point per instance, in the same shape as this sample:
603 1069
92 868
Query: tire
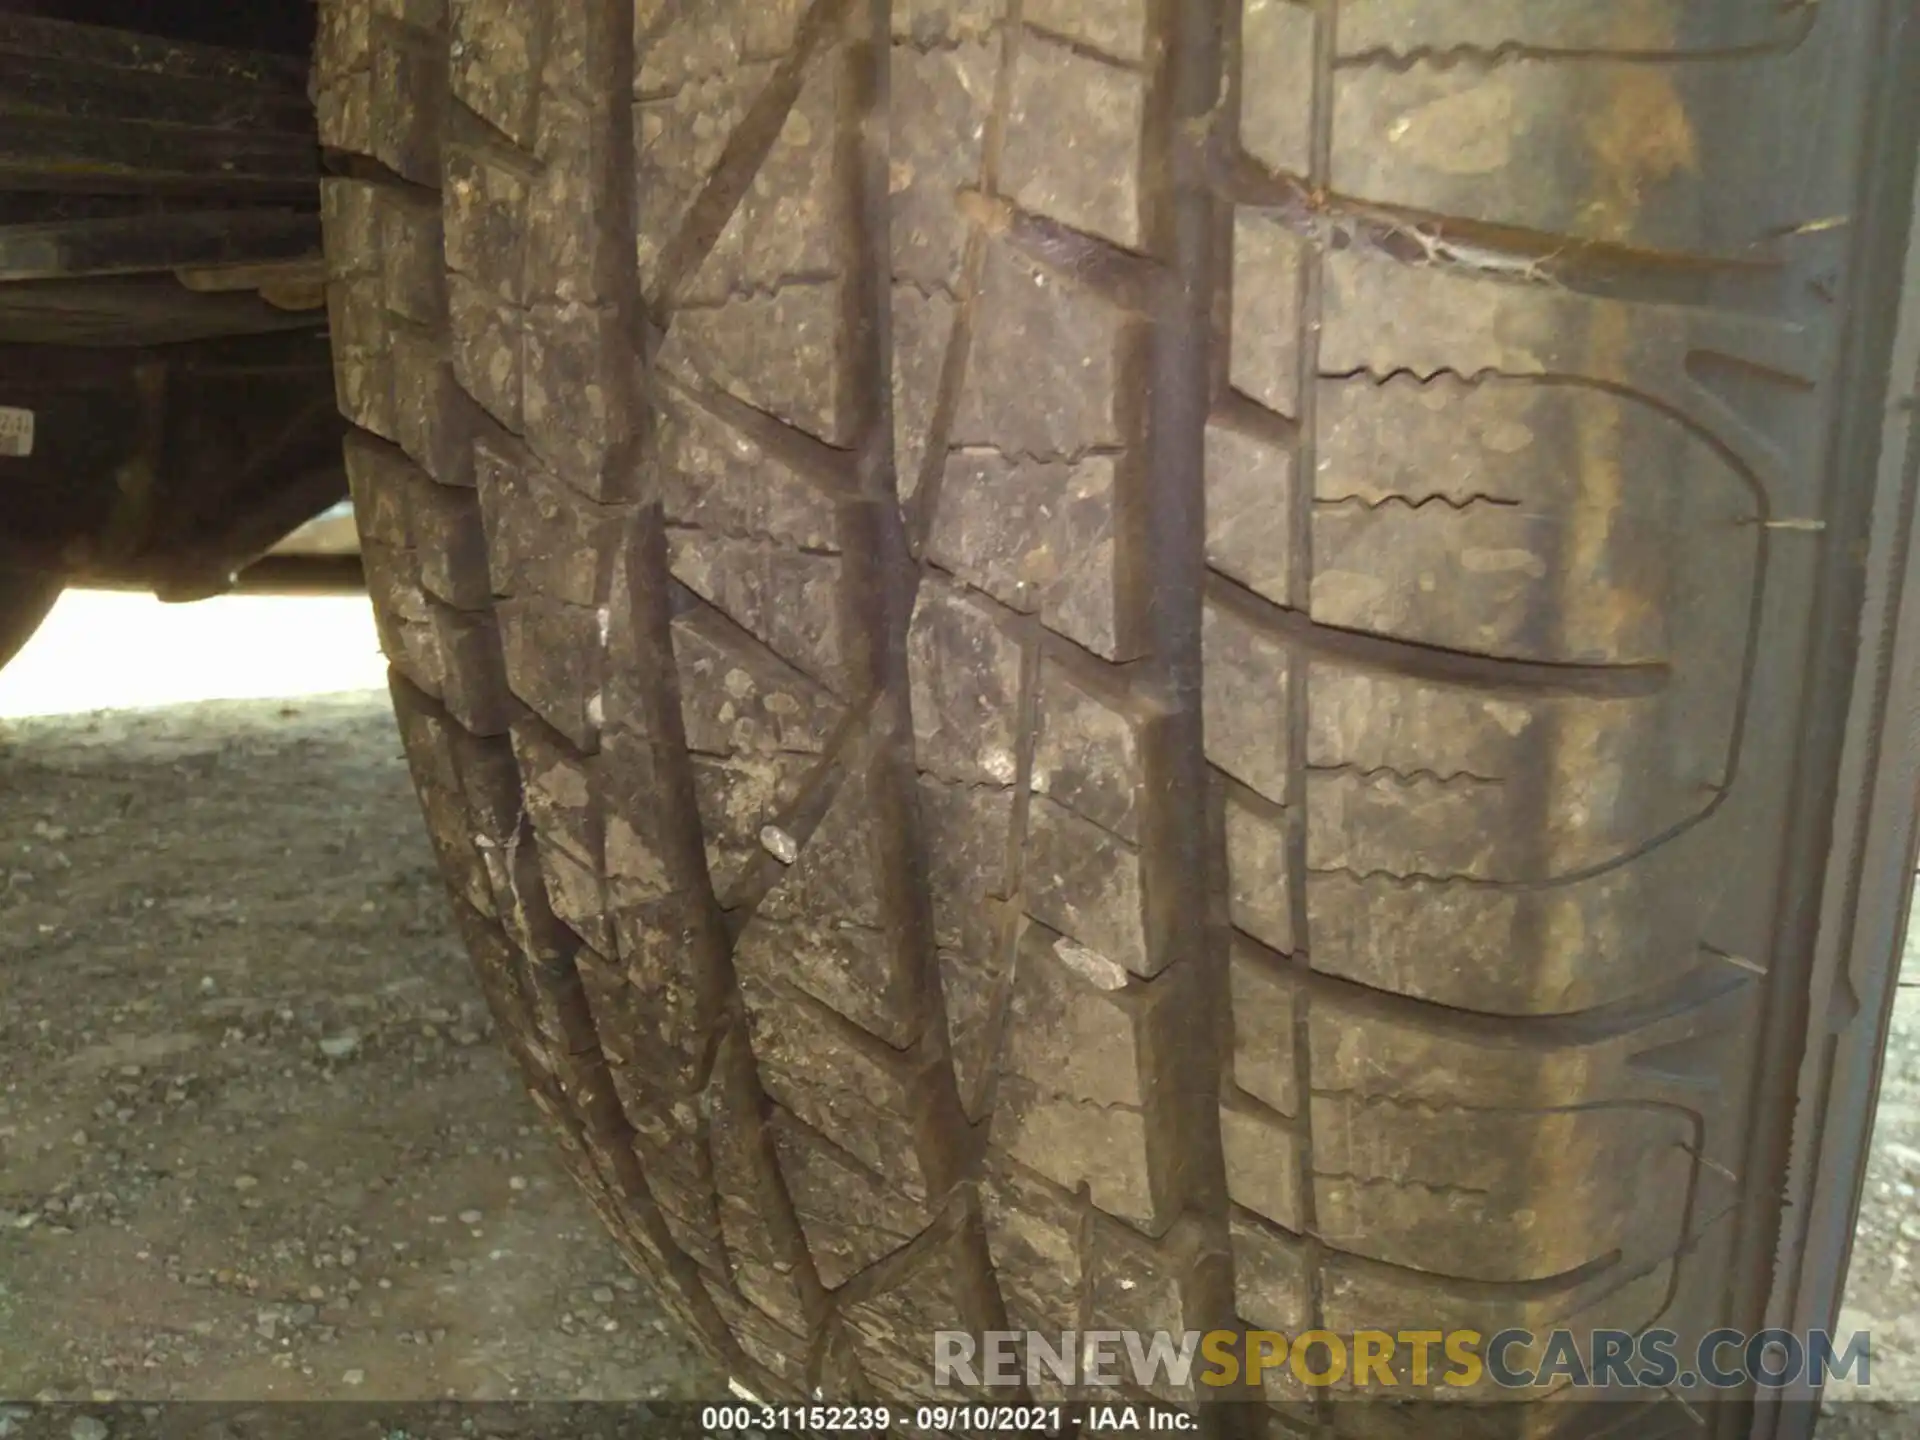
956 832
25 598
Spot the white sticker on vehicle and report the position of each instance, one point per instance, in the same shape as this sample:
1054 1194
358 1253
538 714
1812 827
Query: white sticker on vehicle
16 431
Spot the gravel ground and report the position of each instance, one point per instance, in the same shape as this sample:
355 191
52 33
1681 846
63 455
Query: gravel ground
256 1142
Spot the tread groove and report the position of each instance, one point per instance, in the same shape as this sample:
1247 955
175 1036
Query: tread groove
1436 664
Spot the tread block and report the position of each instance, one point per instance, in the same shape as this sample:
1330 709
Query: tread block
747 1185
1263 353
444 525
410 251
1385 317
488 340
1272 1284
1262 1159
676 44
755 727
838 1081
1250 511
354 218
972 984
739 796
427 738
850 1215
1439 139
544 539
1086 754
1069 1103
381 480
475 689
1413 28
1043 370
1407 753
1584 944
556 661
940 103
520 896
499 50
1086 884
1245 702
430 532
1033 1235
1371 720
1259 874
357 326
1380 1046
484 206
1508 517
407 78
934 23
562 804
1416 825
1113 27
965 670
660 914
1504 1194
1358 1293
562 260
922 332
428 408
1034 534
1272 1276
768 1344
789 598
823 928
1062 1266
404 615
687 1202
680 141
673 1010
1278 48
1135 1284
738 697
892 1329
777 351
1262 987
574 409
1073 140
789 221
342 79
714 478
967 829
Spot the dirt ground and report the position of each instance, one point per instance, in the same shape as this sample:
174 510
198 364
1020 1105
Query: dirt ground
255 1138
256 1142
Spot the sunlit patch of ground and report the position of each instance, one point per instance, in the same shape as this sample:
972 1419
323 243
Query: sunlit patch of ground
107 650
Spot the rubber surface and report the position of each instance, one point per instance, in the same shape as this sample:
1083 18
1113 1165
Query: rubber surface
1090 664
